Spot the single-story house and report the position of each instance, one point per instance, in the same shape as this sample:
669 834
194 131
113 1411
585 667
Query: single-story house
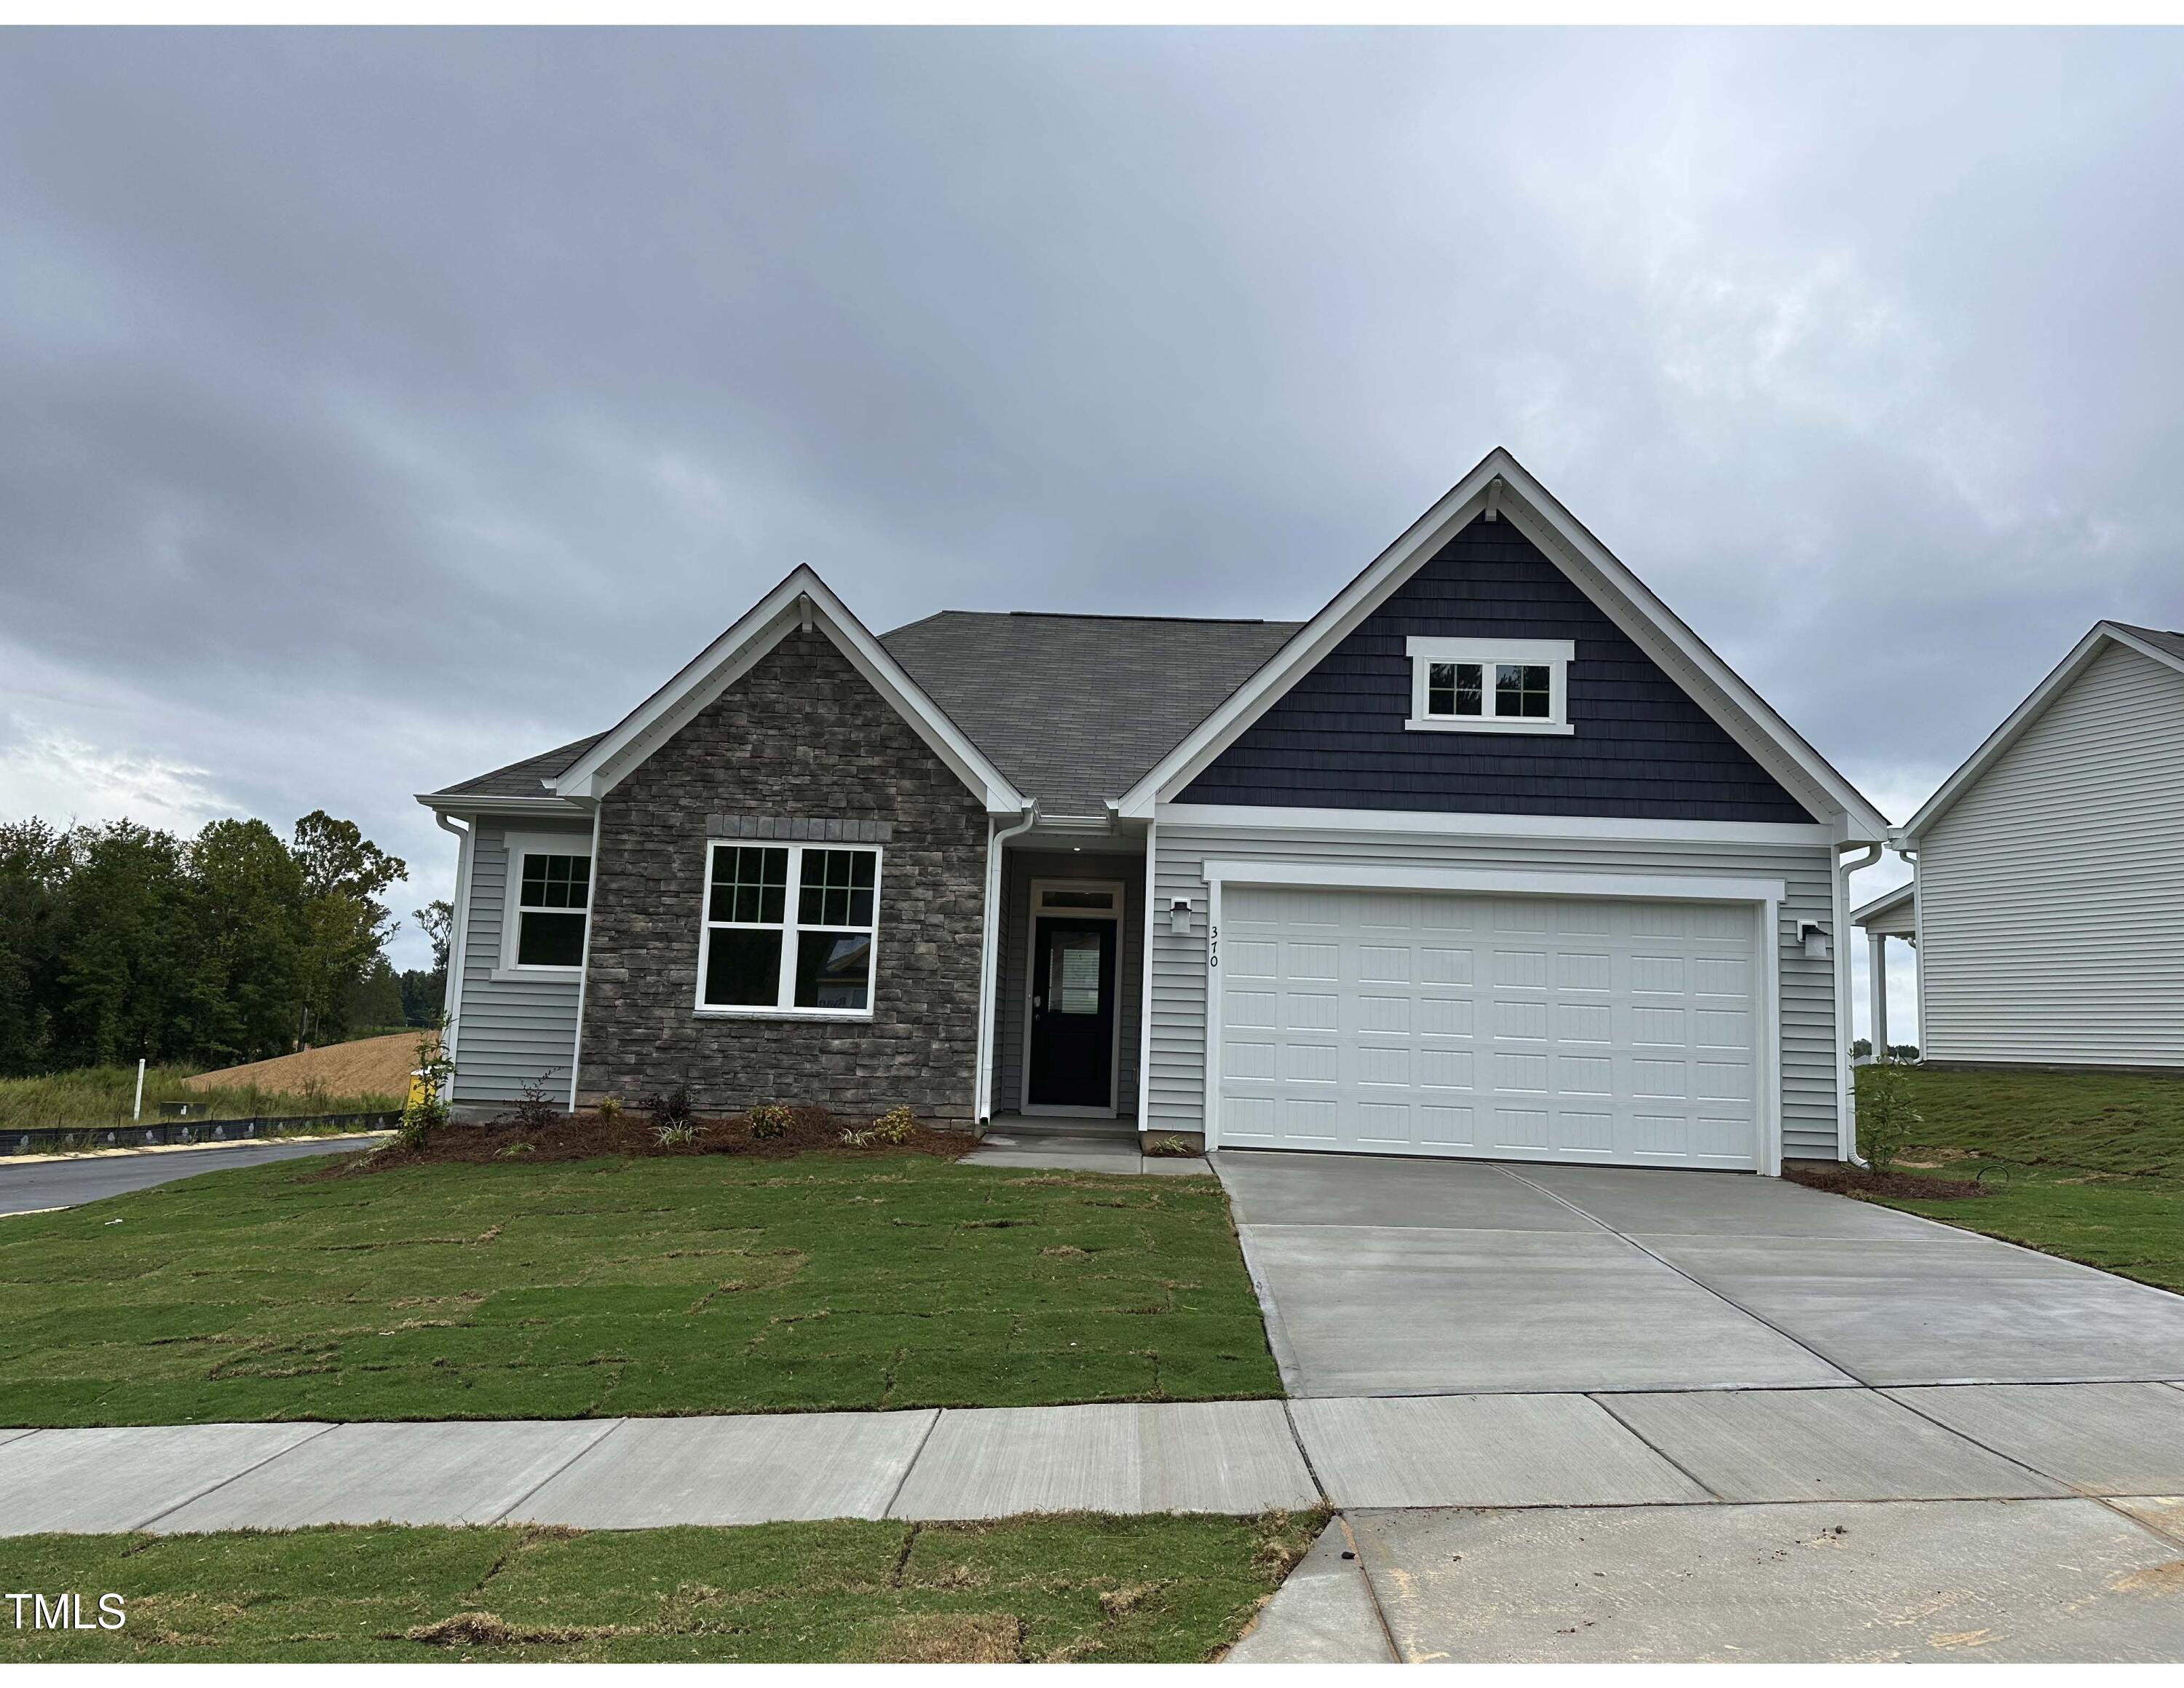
1491 857
2046 904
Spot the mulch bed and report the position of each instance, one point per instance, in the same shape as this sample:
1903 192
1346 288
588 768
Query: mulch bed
588 1137
1846 1180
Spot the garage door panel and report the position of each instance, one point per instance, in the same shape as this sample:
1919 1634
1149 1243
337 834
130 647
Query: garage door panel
1311 1011
1592 1030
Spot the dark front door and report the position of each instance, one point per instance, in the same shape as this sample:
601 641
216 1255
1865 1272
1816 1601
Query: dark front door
1072 1014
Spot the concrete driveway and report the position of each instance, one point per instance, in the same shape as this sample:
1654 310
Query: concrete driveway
1391 1277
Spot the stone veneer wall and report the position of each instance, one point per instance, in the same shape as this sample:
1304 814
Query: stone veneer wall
800 738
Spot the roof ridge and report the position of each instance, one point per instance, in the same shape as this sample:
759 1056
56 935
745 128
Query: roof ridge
1090 615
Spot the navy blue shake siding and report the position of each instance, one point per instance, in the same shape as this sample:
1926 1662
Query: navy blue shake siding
1642 749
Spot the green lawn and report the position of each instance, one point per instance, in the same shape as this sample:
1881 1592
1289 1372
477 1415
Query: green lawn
2088 1167
701 1284
1112 1589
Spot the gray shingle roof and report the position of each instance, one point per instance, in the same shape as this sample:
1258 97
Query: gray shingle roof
522 779
2173 643
1073 708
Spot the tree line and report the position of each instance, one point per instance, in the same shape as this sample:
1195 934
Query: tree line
119 941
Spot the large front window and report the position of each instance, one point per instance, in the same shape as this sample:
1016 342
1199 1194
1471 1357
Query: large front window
788 928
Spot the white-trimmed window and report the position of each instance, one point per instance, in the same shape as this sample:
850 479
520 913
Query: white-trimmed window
1489 686
789 929
550 899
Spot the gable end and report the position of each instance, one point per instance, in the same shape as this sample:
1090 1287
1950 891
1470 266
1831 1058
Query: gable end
1641 747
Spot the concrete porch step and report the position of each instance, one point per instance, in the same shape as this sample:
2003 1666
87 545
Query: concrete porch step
1053 1125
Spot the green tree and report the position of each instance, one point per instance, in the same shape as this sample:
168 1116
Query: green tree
251 955
343 873
126 929
376 1002
35 862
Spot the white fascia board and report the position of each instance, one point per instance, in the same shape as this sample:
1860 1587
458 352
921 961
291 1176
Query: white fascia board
461 805
1406 822
1662 635
2036 705
1334 622
1620 594
1490 881
1884 903
736 651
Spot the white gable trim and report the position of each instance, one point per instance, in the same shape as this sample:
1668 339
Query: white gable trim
2102 634
803 600
1621 596
1887 903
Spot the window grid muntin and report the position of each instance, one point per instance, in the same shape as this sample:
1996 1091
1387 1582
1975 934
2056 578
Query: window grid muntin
559 882
756 884
1529 686
1455 690
552 913
853 886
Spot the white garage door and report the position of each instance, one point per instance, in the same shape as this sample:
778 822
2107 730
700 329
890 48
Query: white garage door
1504 1027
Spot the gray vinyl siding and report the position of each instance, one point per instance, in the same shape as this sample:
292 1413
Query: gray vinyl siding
1178 1090
2051 894
1020 868
509 1032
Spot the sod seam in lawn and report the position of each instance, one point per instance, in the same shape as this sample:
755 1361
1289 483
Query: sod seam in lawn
1083 1587
833 1281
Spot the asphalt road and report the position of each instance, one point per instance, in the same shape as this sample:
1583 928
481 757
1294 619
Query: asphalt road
28 1186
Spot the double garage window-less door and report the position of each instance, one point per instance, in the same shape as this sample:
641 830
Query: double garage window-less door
1502 1028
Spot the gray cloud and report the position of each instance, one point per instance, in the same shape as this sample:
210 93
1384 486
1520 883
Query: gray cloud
381 406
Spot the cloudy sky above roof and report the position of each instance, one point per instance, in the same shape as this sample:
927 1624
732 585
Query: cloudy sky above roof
383 407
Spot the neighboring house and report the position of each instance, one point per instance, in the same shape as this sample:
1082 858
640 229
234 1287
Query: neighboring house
2048 902
1491 857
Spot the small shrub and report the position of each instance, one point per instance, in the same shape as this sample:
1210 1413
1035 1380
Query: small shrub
768 1121
1885 1118
516 1151
609 1108
536 1111
897 1125
426 1109
1169 1145
674 1106
676 1137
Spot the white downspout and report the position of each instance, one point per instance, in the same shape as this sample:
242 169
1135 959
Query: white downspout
989 946
1846 1083
451 1002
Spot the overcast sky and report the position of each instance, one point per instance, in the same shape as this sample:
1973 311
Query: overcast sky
382 407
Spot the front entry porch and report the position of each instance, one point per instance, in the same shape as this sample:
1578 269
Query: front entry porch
1070 978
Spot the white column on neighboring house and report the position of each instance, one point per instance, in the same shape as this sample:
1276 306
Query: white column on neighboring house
1876 985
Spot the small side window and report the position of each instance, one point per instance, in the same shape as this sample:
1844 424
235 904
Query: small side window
549 902
1500 685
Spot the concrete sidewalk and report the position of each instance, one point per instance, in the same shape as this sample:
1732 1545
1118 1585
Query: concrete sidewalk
1704 1448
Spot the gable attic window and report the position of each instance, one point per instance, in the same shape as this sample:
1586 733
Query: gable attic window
1489 686
790 929
550 899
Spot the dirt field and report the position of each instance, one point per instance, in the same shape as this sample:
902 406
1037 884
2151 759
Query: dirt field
371 1065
